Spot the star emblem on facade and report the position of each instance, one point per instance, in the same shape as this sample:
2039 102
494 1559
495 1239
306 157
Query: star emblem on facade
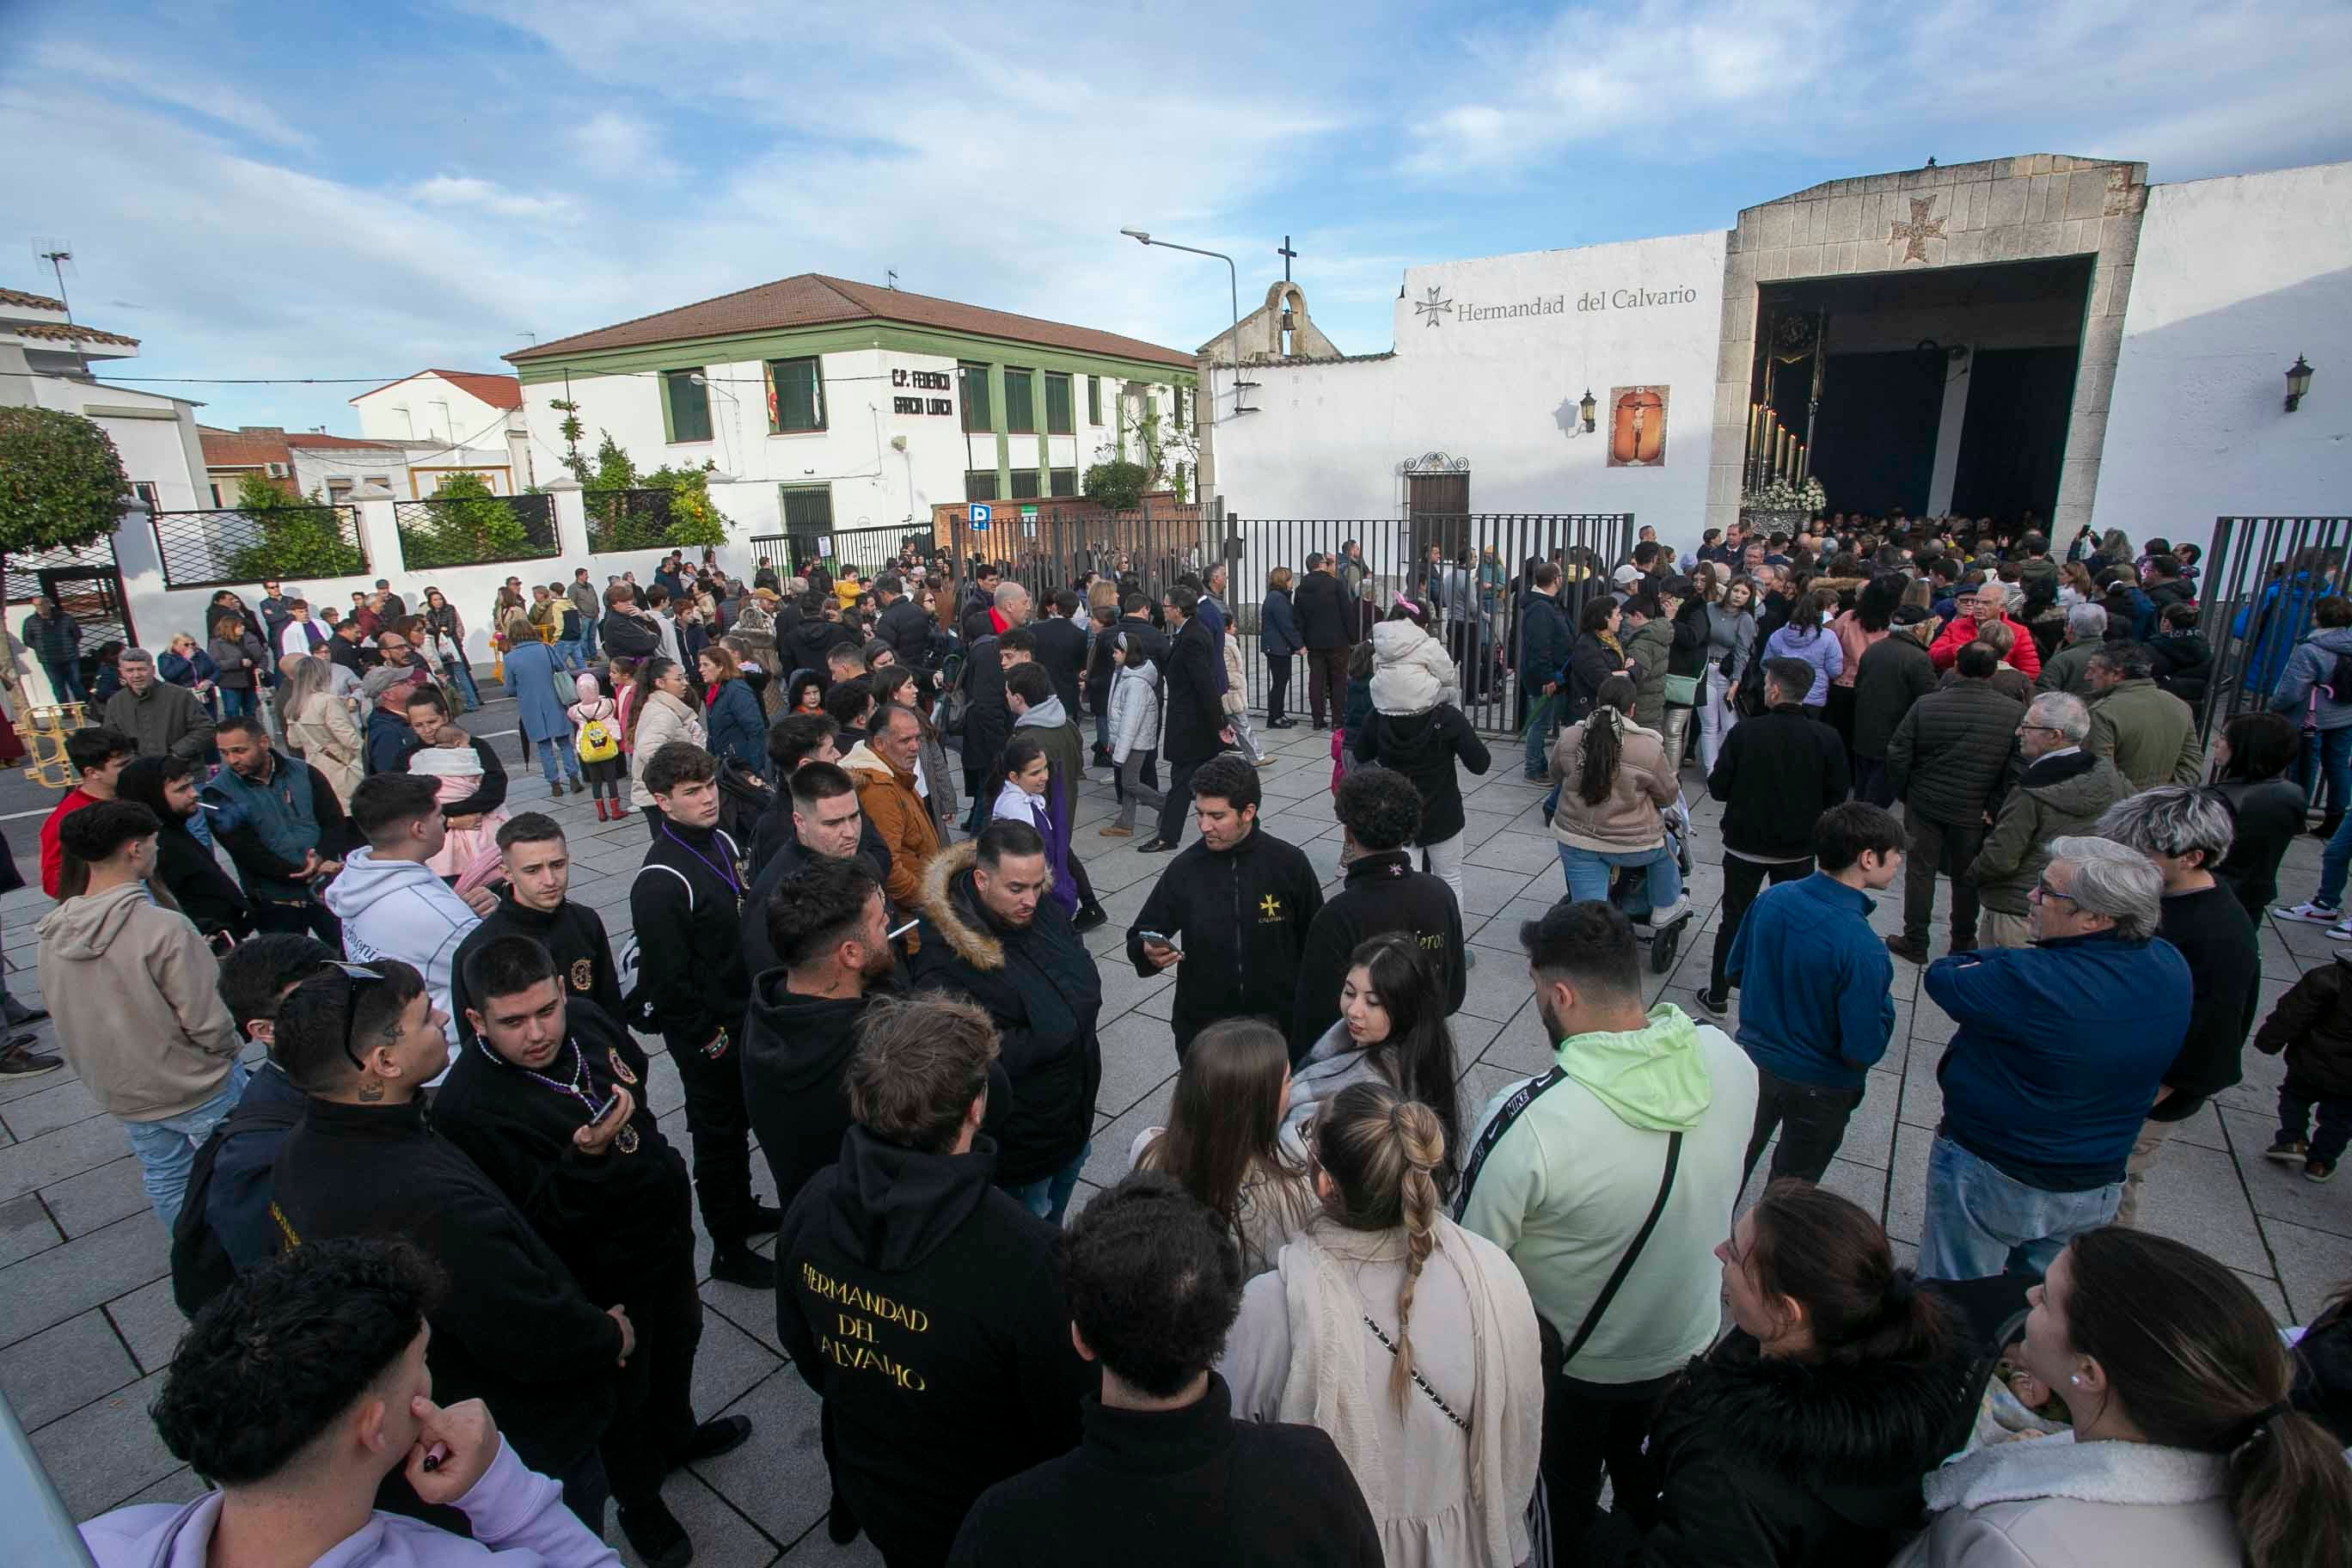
1429 309
1915 234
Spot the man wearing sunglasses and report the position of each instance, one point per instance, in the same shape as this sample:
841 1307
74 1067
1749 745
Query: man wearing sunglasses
514 1329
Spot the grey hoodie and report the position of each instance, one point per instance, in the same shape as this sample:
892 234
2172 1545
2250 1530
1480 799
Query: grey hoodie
400 909
139 1013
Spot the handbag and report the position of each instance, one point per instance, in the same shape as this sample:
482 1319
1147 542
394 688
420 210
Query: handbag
1682 691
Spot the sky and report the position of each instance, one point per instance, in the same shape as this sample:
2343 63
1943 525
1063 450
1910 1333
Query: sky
260 190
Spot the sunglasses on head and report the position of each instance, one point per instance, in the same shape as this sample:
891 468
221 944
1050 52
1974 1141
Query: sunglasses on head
354 976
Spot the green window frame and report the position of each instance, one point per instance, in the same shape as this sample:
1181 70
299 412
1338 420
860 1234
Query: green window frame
1025 484
1176 408
685 407
807 509
980 484
796 396
976 416
1019 401
1094 400
1059 407
1062 481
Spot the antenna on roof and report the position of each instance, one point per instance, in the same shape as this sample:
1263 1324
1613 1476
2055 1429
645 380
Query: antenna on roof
527 337
58 254
890 276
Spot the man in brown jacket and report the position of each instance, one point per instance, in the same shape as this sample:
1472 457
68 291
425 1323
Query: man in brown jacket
883 764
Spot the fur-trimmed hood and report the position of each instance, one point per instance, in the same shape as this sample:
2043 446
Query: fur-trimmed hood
952 912
1831 1427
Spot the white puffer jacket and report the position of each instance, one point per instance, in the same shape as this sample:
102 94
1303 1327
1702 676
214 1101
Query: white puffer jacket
1134 710
1410 673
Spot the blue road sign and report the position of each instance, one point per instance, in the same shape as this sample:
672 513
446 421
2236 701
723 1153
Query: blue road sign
978 515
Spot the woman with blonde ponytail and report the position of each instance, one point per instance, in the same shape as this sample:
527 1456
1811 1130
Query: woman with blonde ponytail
1408 1340
2186 1449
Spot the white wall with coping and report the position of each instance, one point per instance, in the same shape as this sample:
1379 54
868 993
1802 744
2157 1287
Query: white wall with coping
1500 391
2235 276
425 407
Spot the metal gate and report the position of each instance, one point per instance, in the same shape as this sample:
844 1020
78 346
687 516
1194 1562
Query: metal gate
868 551
86 583
2261 578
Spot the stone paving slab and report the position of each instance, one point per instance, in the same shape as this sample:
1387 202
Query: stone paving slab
87 1322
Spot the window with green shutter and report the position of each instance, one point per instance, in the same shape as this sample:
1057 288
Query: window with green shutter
1020 402
1094 400
1058 406
1065 481
796 396
974 380
808 509
980 484
690 405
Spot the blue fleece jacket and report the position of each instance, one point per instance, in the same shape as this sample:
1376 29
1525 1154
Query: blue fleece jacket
1816 984
2059 1052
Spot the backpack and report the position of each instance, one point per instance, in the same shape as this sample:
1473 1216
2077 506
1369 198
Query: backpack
596 742
200 1268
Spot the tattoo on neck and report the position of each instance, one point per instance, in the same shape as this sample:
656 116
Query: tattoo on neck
369 1092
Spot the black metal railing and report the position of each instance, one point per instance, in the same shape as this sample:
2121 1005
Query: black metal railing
627 519
2262 577
473 531
225 545
85 583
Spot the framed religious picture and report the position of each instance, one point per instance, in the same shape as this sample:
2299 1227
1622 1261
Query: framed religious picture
1637 427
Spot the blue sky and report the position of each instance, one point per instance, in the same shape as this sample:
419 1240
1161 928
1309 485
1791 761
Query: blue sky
275 190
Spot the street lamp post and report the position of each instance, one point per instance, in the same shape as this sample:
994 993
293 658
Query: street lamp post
1232 283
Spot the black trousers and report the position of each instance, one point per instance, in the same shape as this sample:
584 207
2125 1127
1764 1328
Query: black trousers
1742 881
1812 1118
1085 883
1949 848
1278 684
1178 801
1873 782
307 917
653 1418
1327 668
721 1131
1589 1428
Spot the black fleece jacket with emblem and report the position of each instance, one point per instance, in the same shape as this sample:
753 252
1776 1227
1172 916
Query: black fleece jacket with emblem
1383 893
574 933
1241 916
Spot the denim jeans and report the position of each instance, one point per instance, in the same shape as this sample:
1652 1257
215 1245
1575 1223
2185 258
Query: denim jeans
1981 1222
1587 871
167 1149
1047 1196
462 679
588 638
551 750
235 701
2334 861
567 654
1541 718
65 680
2330 758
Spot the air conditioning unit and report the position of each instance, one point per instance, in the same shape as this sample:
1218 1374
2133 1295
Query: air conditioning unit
278 471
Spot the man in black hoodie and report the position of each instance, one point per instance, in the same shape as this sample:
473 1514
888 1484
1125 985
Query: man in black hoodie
534 902
989 931
514 1329
826 826
1380 810
1231 914
918 1297
687 908
1165 1472
829 933
1775 774
606 1191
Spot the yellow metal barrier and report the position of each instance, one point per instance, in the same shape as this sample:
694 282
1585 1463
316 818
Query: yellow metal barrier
44 731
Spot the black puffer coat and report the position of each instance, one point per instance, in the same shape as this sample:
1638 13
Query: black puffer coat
1892 674
1950 757
1764 1462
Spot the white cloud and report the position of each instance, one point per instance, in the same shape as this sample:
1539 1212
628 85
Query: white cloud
168 83
466 191
621 144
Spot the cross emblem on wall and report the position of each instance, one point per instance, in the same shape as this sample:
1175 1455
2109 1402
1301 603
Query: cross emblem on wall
1915 234
1432 308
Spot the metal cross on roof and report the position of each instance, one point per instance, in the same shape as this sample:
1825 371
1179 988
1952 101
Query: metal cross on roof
1289 256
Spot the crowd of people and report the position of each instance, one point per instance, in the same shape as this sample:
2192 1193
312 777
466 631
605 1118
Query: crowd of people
437 1245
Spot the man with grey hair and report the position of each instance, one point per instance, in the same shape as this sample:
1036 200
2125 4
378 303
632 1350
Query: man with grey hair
2060 1051
2063 789
2086 633
2150 733
2185 833
160 716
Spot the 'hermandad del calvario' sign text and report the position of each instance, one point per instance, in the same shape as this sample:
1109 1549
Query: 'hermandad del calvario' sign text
1436 308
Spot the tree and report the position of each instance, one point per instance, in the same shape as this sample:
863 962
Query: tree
469 524
1118 485
301 536
61 485
694 517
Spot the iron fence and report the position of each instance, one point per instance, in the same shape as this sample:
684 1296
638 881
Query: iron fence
475 530
2262 578
208 549
627 519
865 551
85 583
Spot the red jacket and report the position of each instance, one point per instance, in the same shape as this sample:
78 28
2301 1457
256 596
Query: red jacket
2023 656
52 855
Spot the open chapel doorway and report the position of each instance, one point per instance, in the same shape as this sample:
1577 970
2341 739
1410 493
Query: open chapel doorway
1939 392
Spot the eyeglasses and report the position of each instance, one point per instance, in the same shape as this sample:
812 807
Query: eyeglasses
354 976
2042 890
2046 729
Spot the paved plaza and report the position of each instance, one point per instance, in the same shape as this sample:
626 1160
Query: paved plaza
87 1323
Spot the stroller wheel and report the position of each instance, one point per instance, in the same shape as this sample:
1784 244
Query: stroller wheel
1665 942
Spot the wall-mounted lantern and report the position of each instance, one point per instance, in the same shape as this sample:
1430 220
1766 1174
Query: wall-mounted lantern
2298 382
1585 405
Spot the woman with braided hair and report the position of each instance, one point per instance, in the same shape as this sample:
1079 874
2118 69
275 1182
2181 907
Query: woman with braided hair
1412 1343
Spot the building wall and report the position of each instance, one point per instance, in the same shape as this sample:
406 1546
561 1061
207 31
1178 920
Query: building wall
434 411
2235 277
156 436
1500 391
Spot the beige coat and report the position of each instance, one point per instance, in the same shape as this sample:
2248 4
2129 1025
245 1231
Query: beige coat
664 718
1442 1496
1629 819
137 998
2052 1502
325 736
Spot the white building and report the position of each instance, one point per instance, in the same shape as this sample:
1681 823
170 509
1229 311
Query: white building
339 468
475 417
830 404
46 361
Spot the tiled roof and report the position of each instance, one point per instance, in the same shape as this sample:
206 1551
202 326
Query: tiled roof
497 391
59 332
237 450
813 300
24 301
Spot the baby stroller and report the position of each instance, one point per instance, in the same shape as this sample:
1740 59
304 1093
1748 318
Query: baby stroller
1629 891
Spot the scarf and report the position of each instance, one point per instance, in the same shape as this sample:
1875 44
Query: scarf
1609 640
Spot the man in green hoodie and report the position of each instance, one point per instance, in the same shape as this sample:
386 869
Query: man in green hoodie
1610 1180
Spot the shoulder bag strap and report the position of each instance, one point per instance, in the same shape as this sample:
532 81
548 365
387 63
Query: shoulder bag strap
1508 1113
1625 1263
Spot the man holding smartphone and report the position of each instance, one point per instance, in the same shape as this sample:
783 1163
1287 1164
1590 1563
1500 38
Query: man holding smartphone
548 1101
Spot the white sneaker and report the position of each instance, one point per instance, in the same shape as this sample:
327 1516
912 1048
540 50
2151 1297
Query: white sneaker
2316 914
1661 918
2341 929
